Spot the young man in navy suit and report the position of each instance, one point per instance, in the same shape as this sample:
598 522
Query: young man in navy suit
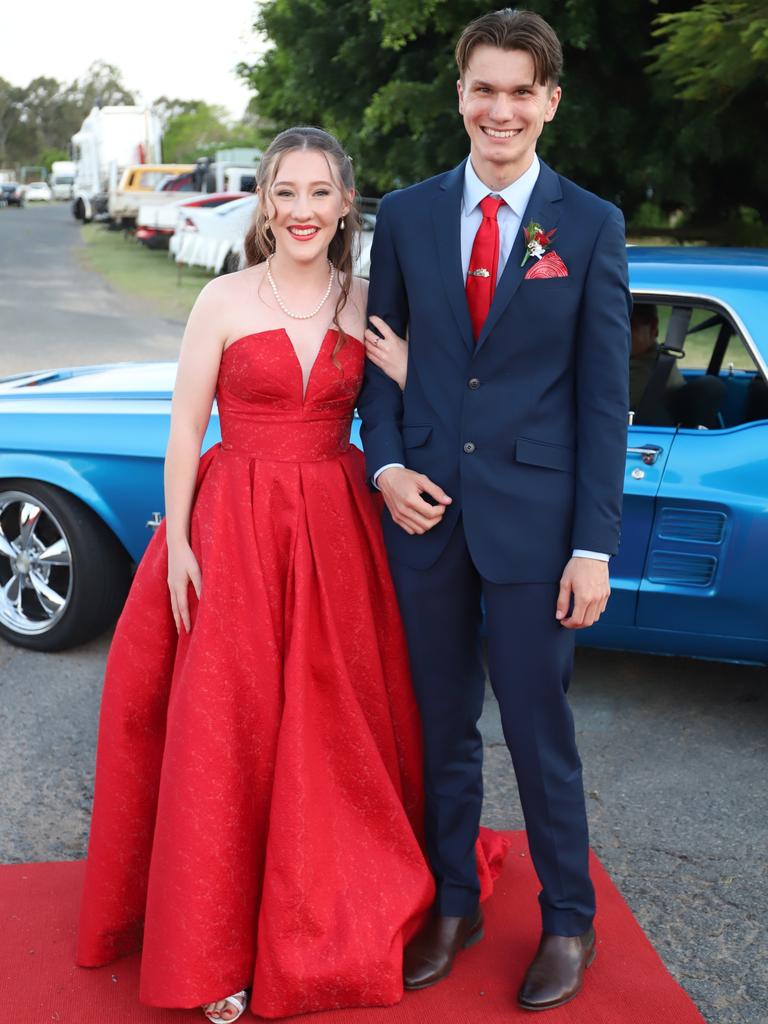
501 465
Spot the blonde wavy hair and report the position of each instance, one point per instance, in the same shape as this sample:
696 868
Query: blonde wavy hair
260 242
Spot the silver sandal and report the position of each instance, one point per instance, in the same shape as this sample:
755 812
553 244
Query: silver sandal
239 1000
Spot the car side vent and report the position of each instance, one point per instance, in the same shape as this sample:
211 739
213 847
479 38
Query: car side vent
682 570
691 525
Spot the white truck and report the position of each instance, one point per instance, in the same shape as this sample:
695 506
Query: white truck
109 140
62 179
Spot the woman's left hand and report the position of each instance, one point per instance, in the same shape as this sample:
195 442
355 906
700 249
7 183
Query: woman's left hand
389 352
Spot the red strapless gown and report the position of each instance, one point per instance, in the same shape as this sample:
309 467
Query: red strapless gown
258 808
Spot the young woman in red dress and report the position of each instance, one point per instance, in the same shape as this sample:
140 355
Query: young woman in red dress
257 821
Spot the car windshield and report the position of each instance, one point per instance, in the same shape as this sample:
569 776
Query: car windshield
149 179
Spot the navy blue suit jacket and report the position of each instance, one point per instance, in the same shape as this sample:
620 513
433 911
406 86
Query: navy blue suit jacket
525 430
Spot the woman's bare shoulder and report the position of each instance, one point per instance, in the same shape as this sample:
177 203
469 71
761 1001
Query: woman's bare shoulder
358 294
224 287
356 307
361 284
222 296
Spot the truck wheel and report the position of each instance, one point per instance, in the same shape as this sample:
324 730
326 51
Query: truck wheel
80 211
63 575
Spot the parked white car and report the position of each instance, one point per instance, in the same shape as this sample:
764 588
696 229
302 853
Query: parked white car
214 239
37 192
156 224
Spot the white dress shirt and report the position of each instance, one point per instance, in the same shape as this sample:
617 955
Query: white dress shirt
510 216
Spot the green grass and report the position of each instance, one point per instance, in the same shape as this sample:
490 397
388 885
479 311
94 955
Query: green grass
152 276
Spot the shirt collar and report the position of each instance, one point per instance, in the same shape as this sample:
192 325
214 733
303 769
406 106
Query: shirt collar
516 195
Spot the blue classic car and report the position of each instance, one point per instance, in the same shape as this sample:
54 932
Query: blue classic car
81 454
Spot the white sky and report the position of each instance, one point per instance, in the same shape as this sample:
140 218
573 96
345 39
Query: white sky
161 50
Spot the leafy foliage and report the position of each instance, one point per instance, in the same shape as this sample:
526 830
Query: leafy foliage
381 75
714 59
714 51
196 129
37 122
45 115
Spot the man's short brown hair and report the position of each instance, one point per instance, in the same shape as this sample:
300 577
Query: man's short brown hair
510 29
644 313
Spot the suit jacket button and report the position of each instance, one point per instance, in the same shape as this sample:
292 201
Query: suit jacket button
469 447
474 383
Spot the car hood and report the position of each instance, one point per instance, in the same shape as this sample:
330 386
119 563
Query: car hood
114 380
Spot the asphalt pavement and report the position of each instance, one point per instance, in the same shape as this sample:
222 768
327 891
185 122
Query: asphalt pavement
674 750
53 312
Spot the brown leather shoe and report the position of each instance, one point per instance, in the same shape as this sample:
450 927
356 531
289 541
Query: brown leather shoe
557 970
430 954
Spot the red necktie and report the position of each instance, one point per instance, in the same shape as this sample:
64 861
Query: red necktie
483 264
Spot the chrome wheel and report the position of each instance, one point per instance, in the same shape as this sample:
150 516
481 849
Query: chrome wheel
35 565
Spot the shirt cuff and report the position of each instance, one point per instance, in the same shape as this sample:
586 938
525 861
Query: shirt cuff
389 465
579 553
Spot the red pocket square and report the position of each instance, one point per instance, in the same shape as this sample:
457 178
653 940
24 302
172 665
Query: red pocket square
550 265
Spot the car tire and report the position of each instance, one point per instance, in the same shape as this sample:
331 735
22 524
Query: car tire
72 574
231 263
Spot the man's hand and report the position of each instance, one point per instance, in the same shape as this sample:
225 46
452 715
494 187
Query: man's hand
587 580
402 490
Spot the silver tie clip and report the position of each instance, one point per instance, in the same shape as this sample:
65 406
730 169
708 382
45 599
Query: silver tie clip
480 272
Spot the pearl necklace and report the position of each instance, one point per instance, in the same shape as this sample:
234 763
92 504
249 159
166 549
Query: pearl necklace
282 305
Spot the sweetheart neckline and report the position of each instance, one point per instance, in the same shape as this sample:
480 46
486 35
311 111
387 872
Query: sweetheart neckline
283 330
297 361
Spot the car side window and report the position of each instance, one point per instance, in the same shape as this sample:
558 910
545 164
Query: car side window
691 368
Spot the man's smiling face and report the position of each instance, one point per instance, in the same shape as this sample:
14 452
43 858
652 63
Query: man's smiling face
504 111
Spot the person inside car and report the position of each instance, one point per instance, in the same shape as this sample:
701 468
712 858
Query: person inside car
645 348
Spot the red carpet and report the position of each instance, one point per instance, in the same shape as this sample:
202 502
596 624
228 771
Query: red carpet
627 984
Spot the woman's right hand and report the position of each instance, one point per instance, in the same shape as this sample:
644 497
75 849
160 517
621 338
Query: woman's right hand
182 570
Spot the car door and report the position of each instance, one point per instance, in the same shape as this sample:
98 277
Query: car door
707 561
648 450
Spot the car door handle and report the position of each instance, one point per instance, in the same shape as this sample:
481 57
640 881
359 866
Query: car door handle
647 452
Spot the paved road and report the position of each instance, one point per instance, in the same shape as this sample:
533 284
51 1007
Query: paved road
674 750
55 313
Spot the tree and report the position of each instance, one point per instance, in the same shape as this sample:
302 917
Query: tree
196 131
41 118
167 108
715 51
48 116
9 115
102 85
714 59
382 76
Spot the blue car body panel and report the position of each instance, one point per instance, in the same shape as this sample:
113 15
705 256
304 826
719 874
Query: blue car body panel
690 574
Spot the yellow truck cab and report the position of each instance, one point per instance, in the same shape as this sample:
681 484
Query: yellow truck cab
136 181
146 177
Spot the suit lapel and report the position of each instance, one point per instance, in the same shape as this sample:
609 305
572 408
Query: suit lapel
544 209
446 214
